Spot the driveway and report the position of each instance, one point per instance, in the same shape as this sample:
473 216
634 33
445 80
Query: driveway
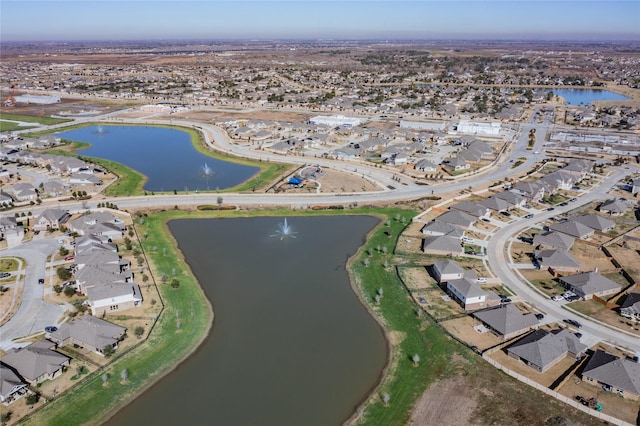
33 313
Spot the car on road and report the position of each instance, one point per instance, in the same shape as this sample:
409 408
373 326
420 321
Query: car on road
40 280
50 329
60 241
573 200
564 203
529 216
69 258
539 316
575 188
550 209
557 298
572 322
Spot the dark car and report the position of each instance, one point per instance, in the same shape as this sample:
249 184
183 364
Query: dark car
539 316
5 275
507 214
573 200
40 280
529 216
564 203
573 323
551 209
578 335
50 329
484 219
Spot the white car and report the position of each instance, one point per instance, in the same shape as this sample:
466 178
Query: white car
481 280
557 298
468 240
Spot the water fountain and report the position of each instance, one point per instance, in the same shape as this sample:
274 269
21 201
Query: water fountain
100 130
206 172
284 231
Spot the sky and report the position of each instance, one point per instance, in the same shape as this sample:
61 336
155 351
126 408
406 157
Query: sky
112 20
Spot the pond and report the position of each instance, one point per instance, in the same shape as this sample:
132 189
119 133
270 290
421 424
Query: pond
291 343
586 96
165 156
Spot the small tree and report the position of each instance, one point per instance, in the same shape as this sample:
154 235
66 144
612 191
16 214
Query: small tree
32 398
385 399
69 291
63 273
175 283
124 375
108 351
138 331
5 417
416 360
105 379
63 251
366 262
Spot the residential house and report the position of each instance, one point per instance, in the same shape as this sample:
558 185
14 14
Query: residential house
470 296
425 165
457 218
54 188
12 386
23 191
456 164
89 332
496 204
515 200
614 207
589 284
557 260
596 222
84 179
446 270
630 308
37 362
97 223
50 219
442 246
581 168
5 198
635 186
437 229
553 240
507 321
472 208
533 191
113 297
619 375
542 349
572 228
558 180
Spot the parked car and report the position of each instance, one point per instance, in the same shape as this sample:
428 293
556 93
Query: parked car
479 253
564 203
526 206
551 209
573 200
572 322
481 280
40 280
468 240
484 219
60 241
557 298
50 329
5 275
422 300
507 214
539 316
529 216
69 258
578 335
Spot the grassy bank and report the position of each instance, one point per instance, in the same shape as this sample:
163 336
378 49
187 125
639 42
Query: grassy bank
47 121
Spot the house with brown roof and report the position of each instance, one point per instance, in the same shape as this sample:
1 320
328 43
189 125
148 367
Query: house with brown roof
37 362
557 260
553 240
442 246
614 374
542 349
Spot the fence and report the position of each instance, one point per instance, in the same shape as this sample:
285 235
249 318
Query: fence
556 395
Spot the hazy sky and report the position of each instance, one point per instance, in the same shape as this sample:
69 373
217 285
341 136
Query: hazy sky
136 20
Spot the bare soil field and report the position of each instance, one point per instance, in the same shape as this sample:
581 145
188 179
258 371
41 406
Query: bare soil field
333 181
600 312
436 405
462 329
625 253
209 116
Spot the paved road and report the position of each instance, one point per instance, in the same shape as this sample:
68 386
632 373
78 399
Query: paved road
33 313
554 310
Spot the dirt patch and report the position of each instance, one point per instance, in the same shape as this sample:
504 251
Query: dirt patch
435 405
332 181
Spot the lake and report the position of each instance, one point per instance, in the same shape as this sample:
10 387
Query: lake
165 156
586 96
291 344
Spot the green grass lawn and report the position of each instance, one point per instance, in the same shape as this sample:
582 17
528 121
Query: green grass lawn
33 119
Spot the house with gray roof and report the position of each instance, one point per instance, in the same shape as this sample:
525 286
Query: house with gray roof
425 165
542 349
83 179
507 321
456 164
472 208
614 207
438 229
12 386
579 167
457 218
113 297
635 186
442 246
89 332
445 270
23 191
37 362
630 308
572 228
496 204
97 223
557 260
470 296
619 375
515 200
589 284
530 190
54 188
50 219
553 240
596 222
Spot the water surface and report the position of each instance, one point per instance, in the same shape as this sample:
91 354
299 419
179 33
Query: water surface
291 342
165 156
586 96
